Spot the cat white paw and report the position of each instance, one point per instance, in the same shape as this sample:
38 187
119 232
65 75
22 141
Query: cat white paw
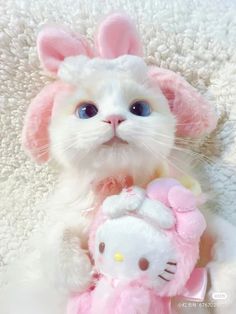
70 267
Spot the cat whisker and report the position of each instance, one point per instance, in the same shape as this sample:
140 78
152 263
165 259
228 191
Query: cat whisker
41 150
165 159
194 154
180 139
201 157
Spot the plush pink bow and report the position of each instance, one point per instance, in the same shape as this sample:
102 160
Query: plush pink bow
194 290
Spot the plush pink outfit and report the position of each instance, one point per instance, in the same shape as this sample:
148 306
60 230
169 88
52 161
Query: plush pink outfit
135 297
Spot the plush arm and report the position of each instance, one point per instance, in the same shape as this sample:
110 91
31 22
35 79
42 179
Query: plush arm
134 200
127 201
158 213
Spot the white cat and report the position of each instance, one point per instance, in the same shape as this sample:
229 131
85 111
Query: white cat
107 119
112 124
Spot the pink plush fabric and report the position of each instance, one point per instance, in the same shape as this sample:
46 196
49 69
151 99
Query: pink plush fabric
81 305
158 189
116 36
190 222
35 137
56 43
195 116
130 299
135 299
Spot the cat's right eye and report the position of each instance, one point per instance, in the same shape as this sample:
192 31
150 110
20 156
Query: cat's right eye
86 110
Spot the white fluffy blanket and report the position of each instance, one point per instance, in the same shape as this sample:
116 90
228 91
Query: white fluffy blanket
195 38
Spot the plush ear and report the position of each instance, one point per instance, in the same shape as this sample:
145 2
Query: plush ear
190 223
159 189
195 117
117 36
35 137
182 199
56 43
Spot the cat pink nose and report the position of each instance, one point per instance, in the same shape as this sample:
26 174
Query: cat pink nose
114 120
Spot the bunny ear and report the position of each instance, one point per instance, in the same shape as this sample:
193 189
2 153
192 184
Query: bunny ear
55 44
35 137
117 36
195 117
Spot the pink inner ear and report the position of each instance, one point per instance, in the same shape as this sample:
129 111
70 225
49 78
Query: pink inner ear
195 116
55 44
117 36
35 137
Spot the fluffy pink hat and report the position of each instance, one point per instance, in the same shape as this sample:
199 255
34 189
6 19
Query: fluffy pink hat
115 36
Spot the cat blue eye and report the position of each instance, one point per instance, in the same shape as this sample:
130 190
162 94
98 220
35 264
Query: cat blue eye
140 108
86 110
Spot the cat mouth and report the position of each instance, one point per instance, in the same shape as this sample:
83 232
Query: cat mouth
115 140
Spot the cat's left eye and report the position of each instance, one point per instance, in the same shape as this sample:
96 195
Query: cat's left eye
140 108
86 110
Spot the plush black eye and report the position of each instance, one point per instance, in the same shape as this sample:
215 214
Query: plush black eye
101 247
140 108
86 110
143 263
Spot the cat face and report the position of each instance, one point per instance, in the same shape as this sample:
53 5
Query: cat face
110 119
127 248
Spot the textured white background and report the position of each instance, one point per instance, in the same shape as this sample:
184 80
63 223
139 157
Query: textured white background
195 38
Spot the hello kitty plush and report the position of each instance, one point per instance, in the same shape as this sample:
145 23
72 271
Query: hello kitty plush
145 250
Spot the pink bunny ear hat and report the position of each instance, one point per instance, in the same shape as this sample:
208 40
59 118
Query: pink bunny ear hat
116 36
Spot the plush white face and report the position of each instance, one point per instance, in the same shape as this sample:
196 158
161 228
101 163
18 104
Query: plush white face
84 132
128 248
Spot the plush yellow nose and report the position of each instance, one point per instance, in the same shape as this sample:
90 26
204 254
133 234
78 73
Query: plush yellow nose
118 257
